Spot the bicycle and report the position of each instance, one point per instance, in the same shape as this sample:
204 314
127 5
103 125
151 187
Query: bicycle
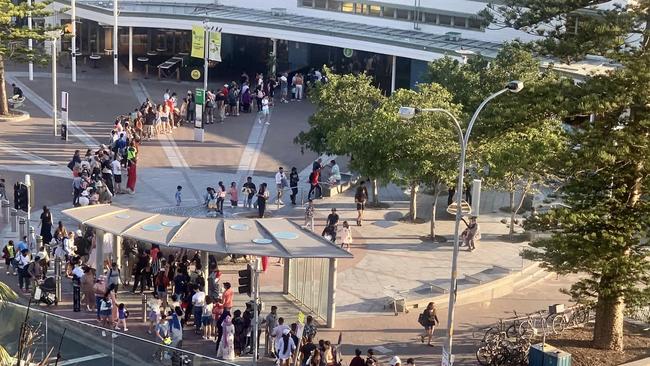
575 317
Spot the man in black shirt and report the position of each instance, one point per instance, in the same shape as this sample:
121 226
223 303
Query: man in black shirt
17 91
249 190
306 350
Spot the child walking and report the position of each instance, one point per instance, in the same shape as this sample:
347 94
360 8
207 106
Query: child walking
178 195
309 215
122 315
265 110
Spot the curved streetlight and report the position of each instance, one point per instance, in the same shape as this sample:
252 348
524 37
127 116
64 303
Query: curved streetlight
410 112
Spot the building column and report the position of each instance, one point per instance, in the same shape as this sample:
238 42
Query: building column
115 40
285 281
274 54
99 250
117 250
392 75
130 49
331 294
205 269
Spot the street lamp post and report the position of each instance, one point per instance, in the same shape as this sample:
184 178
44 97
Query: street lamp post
73 40
54 36
409 112
115 40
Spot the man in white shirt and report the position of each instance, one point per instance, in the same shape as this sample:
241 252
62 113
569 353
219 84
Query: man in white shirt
116 167
280 183
279 329
198 301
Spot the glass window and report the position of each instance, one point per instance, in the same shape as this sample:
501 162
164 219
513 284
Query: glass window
430 18
459 22
308 3
374 10
320 4
444 19
389 12
334 5
403 14
360 8
347 7
475 23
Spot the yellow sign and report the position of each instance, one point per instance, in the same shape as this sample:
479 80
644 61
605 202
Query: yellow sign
198 41
214 51
195 74
301 317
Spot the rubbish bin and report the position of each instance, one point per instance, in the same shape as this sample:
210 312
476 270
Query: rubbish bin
546 355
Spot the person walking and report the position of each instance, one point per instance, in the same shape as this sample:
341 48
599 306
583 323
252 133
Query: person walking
9 254
221 197
226 344
22 263
46 225
428 319
132 172
262 197
346 236
293 184
471 234
360 199
280 184
249 191
284 348
309 215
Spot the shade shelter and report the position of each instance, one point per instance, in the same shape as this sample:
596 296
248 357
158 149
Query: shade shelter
310 260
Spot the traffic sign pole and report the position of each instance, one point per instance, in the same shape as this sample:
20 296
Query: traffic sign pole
199 99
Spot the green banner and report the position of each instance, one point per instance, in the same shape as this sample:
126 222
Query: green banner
198 41
199 96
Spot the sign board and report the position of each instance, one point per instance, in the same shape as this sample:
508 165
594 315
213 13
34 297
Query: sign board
214 46
195 74
199 96
64 115
348 52
198 41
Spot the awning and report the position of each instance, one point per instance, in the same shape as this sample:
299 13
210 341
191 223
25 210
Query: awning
262 237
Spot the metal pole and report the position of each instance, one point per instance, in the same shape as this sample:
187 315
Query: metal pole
392 75
256 320
28 183
206 40
130 49
14 219
54 101
74 40
5 211
459 195
275 58
29 41
115 30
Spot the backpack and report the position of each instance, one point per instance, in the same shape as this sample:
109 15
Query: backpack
422 319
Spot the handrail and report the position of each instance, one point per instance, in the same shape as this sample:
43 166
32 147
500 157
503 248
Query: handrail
45 313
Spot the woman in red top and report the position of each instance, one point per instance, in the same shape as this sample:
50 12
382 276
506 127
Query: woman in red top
132 172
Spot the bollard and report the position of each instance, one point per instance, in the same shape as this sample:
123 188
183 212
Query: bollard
144 308
31 240
22 228
313 229
57 277
5 211
39 244
302 196
14 220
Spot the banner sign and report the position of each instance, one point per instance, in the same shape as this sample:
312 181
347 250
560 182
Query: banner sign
214 51
198 41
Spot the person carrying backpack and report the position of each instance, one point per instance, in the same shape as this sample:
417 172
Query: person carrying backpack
428 319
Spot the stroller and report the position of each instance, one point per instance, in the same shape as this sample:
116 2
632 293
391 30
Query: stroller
46 292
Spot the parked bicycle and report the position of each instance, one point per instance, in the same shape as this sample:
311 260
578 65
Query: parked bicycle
574 317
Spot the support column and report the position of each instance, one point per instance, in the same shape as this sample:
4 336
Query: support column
117 251
130 49
331 294
285 281
115 46
54 88
392 75
99 249
275 57
29 41
73 41
204 269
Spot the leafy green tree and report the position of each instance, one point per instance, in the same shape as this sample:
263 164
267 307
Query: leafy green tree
604 232
14 36
429 147
342 104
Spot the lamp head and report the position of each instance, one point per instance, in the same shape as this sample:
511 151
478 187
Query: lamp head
515 86
407 112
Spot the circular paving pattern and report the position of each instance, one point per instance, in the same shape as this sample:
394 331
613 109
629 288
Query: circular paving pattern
152 227
286 235
262 241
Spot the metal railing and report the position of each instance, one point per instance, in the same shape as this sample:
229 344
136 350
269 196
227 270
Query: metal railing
84 341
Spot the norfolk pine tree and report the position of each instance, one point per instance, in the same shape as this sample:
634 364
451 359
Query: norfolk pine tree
13 38
605 231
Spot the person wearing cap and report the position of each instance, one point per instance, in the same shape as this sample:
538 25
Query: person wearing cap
395 361
284 347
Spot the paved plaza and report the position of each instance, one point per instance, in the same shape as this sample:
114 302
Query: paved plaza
389 253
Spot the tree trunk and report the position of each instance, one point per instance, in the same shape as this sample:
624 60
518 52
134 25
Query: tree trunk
434 207
512 213
4 106
608 330
413 204
375 192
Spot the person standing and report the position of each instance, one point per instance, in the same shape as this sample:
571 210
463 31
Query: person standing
346 235
46 225
132 172
284 88
270 322
357 360
9 254
280 184
221 196
177 195
22 263
226 345
428 319
309 215
262 196
249 190
284 348
360 199
198 302
293 184
234 194
471 234
228 297
210 101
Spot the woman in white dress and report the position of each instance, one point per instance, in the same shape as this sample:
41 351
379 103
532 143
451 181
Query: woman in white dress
284 348
227 345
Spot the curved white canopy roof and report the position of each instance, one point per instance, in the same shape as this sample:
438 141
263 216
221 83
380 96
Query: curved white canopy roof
263 237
